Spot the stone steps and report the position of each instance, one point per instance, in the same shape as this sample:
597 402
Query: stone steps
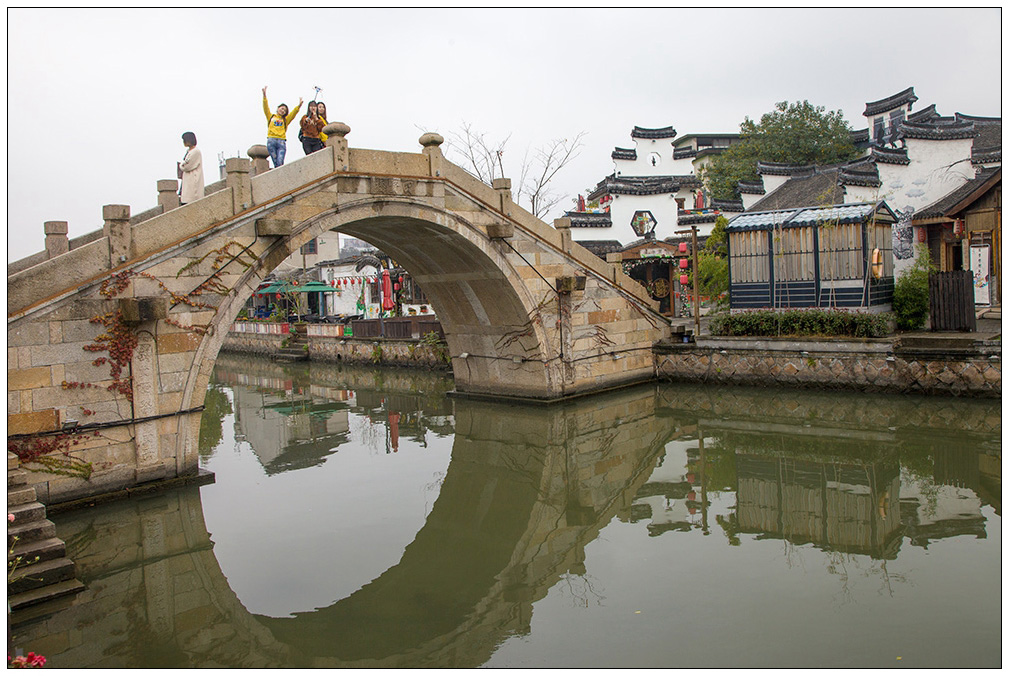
33 598
44 572
290 354
38 575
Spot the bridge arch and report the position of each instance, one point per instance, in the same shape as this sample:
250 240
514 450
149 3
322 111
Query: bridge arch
477 294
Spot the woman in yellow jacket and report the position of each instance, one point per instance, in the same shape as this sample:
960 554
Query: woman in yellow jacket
277 129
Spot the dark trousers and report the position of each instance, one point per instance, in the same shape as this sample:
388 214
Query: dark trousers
311 145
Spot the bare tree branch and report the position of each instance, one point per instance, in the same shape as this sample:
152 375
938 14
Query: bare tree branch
485 159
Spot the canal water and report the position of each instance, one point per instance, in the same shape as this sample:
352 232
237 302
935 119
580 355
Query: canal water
363 518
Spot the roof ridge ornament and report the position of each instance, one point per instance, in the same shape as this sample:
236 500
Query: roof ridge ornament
891 102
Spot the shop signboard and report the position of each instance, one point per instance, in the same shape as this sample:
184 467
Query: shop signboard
980 273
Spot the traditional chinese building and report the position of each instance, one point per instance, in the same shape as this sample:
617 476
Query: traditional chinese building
913 160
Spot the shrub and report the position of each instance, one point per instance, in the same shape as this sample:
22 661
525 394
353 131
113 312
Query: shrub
813 322
911 293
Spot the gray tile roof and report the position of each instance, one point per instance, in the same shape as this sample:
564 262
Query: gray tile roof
986 155
989 142
642 185
819 186
687 218
624 154
685 152
662 132
747 188
781 169
582 219
889 155
861 172
932 131
601 247
925 115
891 102
734 206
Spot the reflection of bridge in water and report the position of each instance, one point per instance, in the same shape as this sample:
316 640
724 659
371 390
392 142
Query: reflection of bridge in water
526 490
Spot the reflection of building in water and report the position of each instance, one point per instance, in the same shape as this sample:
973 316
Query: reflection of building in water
980 472
843 507
839 491
289 429
667 499
934 511
945 499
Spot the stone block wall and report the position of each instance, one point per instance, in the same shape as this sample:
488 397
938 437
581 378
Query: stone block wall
257 343
866 367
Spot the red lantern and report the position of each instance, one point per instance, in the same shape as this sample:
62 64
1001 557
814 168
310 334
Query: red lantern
682 247
683 264
922 235
401 279
683 280
959 228
278 296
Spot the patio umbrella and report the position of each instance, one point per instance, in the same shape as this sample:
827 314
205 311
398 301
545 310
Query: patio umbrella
387 291
312 287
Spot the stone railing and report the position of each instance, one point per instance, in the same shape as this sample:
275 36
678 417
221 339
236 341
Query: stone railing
327 330
249 190
265 328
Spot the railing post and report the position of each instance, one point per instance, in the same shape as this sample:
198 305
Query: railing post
168 194
616 266
564 226
504 188
431 141
117 229
56 238
260 159
336 133
238 179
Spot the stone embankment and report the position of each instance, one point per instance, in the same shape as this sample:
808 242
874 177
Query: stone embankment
327 342
938 364
934 365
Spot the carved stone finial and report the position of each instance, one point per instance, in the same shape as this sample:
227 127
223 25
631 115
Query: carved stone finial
258 152
336 129
430 139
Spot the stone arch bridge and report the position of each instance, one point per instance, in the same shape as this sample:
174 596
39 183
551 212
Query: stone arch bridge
116 332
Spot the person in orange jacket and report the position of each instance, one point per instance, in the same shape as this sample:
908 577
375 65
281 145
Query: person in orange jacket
277 128
312 126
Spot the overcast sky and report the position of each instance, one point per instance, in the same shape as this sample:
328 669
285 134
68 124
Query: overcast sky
98 99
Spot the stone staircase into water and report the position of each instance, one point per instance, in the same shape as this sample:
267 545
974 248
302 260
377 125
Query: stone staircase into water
297 348
43 572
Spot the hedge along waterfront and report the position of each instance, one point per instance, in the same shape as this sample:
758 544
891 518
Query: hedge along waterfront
814 322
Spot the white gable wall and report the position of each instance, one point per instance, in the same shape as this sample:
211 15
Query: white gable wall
935 168
623 208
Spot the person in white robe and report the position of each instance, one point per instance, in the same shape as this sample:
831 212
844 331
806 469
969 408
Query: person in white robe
190 170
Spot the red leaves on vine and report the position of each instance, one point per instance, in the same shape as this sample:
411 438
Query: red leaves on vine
30 449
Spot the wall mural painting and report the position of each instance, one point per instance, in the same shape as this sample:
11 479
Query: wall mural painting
903 238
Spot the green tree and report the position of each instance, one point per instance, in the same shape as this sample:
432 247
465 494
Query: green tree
713 266
797 133
911 292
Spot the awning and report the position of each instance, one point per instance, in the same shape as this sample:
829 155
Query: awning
288 287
